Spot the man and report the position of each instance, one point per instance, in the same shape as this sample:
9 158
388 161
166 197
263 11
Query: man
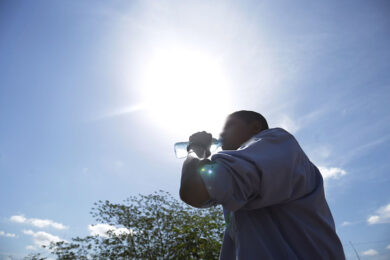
272 195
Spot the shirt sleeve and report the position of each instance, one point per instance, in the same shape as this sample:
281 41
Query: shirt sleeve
269 170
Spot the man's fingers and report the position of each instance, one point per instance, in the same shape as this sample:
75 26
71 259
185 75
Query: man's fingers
203 138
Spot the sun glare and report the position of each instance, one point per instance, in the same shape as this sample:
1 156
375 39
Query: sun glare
185 91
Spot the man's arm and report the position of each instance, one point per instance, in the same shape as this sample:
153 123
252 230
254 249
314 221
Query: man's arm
192 189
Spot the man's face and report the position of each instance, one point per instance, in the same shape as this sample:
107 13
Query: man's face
236 132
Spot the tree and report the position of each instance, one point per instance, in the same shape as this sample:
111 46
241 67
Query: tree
154 226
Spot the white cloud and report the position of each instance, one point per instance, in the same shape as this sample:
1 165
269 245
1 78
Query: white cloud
41 223
5 234
102 229
373 220
41 238
388 247
370 252
382 215
18 219
332 172
346 223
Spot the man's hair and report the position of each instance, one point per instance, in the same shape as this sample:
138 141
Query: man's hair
250 116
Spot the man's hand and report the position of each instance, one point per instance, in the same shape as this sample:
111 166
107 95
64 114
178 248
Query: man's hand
192 188
200 140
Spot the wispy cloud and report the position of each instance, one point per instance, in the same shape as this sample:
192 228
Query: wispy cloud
331 172
323 151
346 223
370 252
388 246
41 223
293 125
5 234
31 247
382 216
42 238
372 144
312 116
102 229
118 164
288 124
122 111
363 148
350 223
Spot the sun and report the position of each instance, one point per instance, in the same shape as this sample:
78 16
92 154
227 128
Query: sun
185 90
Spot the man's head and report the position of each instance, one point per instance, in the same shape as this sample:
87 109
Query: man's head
240 126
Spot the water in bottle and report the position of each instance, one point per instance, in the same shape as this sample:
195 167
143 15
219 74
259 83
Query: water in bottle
181 148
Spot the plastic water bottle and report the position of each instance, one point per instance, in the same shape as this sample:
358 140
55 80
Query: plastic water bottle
181 147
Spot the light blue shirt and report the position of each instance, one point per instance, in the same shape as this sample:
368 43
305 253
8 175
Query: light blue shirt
273 201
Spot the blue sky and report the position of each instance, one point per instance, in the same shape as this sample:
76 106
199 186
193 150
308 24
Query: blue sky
93 95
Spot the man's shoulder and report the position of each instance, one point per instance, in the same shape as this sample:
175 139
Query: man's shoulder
277 131
274 135
266 141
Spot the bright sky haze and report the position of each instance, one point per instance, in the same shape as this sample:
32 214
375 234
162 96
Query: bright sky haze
93 95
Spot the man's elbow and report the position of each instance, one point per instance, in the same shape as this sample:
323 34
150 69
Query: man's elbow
192 189
191 200
185 197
